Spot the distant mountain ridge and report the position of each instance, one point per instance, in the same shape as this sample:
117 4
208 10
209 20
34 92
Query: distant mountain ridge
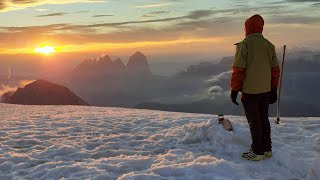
137 64
201 87
206 69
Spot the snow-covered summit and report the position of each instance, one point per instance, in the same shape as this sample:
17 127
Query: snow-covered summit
72 142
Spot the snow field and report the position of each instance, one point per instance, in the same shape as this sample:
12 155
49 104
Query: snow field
70 142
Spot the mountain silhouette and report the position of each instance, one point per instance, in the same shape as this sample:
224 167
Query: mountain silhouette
42 92
137 65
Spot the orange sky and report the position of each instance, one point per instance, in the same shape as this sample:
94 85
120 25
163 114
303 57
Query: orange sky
157 27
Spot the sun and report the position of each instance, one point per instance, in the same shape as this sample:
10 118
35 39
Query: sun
47 50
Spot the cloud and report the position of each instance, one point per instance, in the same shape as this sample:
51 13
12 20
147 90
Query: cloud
23 1
193 15
199 24
220 78
38 29
154 5
158 12
215 89
81 34
103 15
303 0
40 10
4 88
200 13
181 24
78 12
22 4
2 5
52 14
152 14
289 19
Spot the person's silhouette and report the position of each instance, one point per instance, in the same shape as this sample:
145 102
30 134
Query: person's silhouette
256 72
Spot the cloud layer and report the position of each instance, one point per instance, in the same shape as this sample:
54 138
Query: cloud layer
7 5
156 24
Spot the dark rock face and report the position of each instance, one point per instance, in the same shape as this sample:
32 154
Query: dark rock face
41 92
138 63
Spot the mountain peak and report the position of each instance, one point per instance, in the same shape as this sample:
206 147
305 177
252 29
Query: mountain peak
138 63
41 92
104 60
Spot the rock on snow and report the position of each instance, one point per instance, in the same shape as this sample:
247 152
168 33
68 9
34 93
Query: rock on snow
73 142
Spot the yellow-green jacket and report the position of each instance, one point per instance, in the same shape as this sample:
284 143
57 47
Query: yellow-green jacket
255 66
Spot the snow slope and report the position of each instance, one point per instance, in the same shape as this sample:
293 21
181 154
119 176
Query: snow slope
52 142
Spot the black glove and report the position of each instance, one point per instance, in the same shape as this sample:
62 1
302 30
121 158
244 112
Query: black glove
234 95
273 96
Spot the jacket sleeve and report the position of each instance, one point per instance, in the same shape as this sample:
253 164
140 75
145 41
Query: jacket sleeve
238 67
275 70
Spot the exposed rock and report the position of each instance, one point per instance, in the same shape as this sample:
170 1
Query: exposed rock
138 63
41 92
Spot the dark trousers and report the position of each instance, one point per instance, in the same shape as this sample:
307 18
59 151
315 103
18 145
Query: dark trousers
256 108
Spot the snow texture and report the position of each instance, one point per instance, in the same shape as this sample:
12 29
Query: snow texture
70 142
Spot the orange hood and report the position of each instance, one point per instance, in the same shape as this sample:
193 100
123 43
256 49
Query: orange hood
254 24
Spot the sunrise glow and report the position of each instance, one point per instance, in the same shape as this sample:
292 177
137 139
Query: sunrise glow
47 50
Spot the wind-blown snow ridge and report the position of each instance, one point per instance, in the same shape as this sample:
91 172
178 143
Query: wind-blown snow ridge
52 142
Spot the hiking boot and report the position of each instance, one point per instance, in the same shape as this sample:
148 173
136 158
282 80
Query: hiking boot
253 157
268 154
245 153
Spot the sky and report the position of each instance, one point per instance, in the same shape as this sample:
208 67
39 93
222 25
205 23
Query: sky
158 27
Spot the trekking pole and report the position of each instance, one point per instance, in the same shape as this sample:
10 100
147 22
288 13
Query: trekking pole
280 83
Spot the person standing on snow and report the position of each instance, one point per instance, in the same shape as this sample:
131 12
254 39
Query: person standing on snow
256 72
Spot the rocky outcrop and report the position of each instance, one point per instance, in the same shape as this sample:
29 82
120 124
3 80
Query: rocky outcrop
42 92
138 64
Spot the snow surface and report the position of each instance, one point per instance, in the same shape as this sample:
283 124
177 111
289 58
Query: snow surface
70 142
